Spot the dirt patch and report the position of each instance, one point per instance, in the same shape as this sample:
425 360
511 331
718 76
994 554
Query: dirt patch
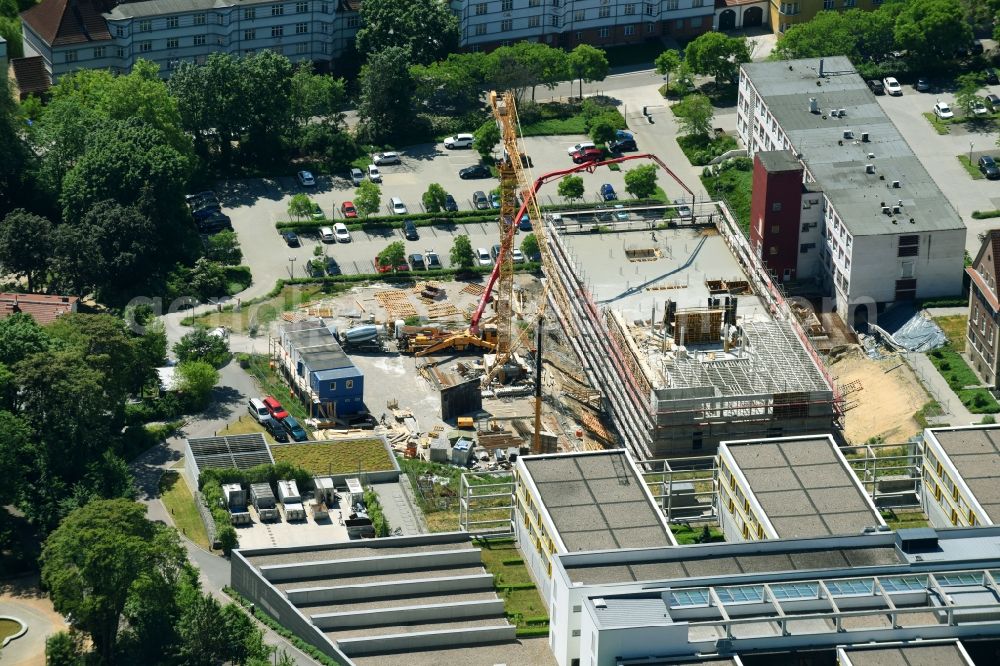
884 407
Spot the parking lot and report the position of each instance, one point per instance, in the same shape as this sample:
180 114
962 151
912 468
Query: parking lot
255 205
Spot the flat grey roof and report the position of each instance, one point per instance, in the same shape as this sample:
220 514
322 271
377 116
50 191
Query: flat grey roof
596 501
975 452
803 487
947 654
778 160
838 163
164 7
313 337
685 562
327 357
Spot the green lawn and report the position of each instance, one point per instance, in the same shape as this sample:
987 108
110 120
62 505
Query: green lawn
177 498
524 607
342 457
940 126
571 125
901 520
970 167
925 415
687 535
734 185
959 375
955 327
8 628
257 314
701 149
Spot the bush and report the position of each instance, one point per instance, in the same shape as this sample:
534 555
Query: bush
228 539
985 214
200 345
374 507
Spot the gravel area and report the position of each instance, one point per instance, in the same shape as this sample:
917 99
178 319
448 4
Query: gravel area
414 574
389 630
325 554
399 602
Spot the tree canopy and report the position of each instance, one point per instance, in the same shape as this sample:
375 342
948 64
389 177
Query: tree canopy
462 255
640 182
386 91
428 29
715 54
587 63
571 187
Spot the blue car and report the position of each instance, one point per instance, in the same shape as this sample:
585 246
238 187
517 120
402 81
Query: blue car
608 192
622 135
525 223
293 428
494 200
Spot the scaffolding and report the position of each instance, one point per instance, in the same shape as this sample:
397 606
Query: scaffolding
486 507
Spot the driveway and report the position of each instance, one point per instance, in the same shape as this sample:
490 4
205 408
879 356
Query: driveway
21 598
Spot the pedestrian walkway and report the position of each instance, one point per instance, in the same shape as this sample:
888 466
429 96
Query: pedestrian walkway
397 508
956 413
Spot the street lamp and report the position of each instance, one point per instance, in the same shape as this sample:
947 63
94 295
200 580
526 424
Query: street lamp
971 146
291 267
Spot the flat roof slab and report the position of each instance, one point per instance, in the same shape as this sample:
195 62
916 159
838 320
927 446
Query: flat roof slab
908 655
975 453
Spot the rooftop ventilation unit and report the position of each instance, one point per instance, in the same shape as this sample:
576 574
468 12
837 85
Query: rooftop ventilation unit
841 112
869 168
899 202
886 210
895 184
813 105
848 134
871 156
896 210
864 137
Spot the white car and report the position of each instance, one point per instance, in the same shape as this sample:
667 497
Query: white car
483 257
580 147
374 174
357 176
892 86
979 108
683 210
458 141
397 206
306 179
942 110
517 256
386 158
326 235
341 233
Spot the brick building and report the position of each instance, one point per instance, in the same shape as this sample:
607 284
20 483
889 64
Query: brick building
984 310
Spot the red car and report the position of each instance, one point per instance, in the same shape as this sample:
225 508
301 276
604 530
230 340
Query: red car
588 155
348 210
274 408
385 268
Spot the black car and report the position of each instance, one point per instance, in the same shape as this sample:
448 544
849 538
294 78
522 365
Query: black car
290 238
623 146
477 171
410 230
276 430
450 204
198 195
206 212
976 48
989 167
332 267
203 201
417 262
214 224
877 86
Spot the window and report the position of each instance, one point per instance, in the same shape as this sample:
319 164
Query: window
301 7
119 31
629 10
220 19
98 52
249 35
534 3
121 52
277 10
301 28
534 21
775 229
302 49
199 40
353 21
145 47
696 3
604 12
481 29
671 5
507 5
172 43
333 386
480 9
348 383
145 26
650 9
909 246
70 56
850 3
199 19
629 30
554 21
603 32
249 13
827 4
506 25
773 250
579 15
650 27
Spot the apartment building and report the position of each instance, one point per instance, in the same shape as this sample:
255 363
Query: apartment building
886 232
784 15
960 466
102 34
983 345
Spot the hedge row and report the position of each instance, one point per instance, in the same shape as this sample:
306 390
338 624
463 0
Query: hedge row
985 214
529 632
375 514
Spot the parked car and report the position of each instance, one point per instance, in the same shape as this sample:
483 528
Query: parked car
991 76
381 159
317 212
993 101
942 110
683 210
291 238
417 262
623 146
410 231
258 411
214 224
276 430
374 174
979 107
458 141
620 213
348 210
583 145
341 233
296 431
380 267
274 407
189 198
876 86
989 167
332 267
479 200
483 257
357 176
450 204
306 179
475 171
206 211
892 85
431 258
517 256
608 192
587 155
976 48
922 85
525 223
622 135
397 206
494 200
326 235
495 251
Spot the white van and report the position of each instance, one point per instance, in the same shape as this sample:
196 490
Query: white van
459 141
257 410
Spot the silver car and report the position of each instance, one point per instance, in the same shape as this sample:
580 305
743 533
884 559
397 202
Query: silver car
357 176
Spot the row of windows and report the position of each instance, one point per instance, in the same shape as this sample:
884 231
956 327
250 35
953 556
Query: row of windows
197 40
146 25
507 25
482 8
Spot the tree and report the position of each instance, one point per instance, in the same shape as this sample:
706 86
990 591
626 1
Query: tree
451 85
428 29
207 278
462 255
640 182
25 246
386 94
195 381
967 86
694 115
571 187
94 561
587 63
604 127
315 96
715 54
368 198
486 138
393 255
224 247
829 33
64 648
667 63
529 246
299 206
434 198
201 345
931 31
210 634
